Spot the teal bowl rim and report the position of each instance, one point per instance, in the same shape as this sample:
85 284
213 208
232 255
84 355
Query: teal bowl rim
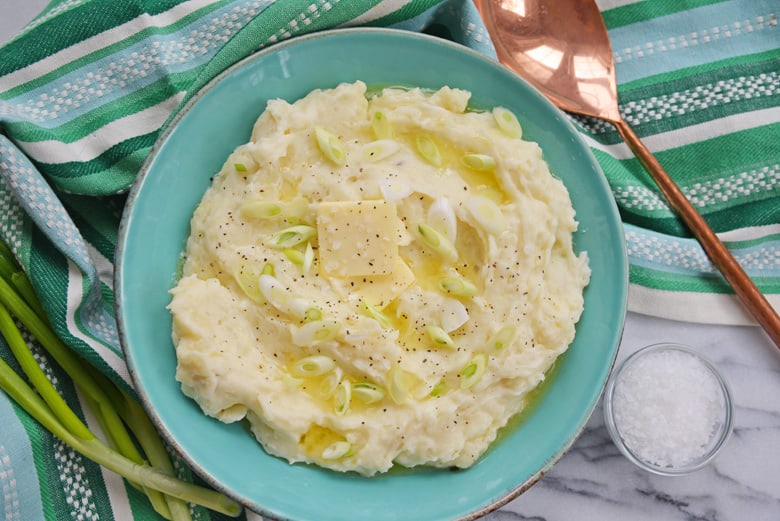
471 513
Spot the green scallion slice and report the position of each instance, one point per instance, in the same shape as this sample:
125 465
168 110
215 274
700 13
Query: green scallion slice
292 236
439 337
479 162
260 209
428 149
274 292
394 190
438 242
487 214
330 146
240 167
295 256
507 122
457 286
438 389
441 217
367 392
473 371
503 337
281 298
337 450
314 365
381 126
372 312
399 384
342 397
247 280
315 332
329 382
313 314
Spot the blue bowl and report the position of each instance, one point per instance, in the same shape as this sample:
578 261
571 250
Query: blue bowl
156 223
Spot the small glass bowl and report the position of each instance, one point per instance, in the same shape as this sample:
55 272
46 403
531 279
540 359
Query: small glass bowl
634 445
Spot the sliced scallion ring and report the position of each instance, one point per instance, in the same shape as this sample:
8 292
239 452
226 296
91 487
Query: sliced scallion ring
240 167
315 332
507 122
473 371
439 337
260 209
428 149
479 162
247 279
437 242
314 365
438 389
342 397
457 286
394 190
312 314
274 292
298 306
503 337
367 392
441 217
337 450
487 214
268 269
295 256
330 146
399 384
381 126
330 381
372 312
292 236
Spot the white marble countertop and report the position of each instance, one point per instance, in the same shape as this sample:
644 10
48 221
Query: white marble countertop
593 481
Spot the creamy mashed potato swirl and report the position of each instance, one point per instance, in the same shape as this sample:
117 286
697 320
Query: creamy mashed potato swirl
377 280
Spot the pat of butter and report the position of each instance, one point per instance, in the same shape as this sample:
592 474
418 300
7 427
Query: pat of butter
377 290
357 238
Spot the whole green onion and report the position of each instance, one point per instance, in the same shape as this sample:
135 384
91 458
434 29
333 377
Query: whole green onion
114 410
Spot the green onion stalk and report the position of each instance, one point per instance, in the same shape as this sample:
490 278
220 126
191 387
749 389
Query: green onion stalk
124 423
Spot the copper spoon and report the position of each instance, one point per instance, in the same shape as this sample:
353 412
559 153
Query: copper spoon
563 49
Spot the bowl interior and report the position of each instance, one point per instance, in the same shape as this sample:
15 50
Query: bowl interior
156 224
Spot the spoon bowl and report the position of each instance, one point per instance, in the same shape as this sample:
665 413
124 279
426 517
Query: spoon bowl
572 68
562 47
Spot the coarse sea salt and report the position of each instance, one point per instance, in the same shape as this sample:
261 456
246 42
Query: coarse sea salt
667 405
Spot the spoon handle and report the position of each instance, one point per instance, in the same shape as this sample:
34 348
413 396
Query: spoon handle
755 302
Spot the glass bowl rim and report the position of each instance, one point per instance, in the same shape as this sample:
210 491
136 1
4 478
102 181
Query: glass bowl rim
723 434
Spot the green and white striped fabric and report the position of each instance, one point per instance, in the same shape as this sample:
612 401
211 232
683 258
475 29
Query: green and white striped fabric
699 81
87 86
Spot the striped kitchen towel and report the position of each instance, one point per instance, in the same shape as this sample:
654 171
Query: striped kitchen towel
86 87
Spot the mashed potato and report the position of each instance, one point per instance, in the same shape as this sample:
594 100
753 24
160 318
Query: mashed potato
377 280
